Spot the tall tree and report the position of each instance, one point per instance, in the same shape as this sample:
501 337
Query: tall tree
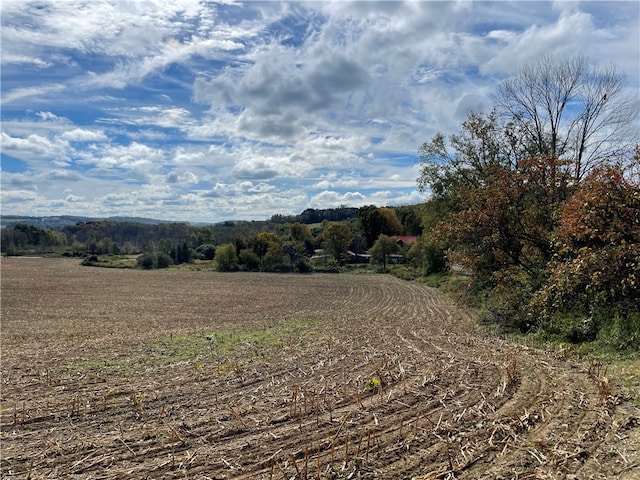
462 160
571 110
383 248
226 259
375 221
371 223
596 272
337 239
299 232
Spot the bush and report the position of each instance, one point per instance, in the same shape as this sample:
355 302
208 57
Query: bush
249 260
149 261
206 252
162 260
621 332
331 266
145 261
611 326
403 272
90 261
302 265
226 259
275 260
572 327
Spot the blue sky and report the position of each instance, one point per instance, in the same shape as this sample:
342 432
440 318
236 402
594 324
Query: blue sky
207 111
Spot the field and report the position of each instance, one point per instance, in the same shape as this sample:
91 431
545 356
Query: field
110 373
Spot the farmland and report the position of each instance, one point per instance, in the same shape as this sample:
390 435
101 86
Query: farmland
110 373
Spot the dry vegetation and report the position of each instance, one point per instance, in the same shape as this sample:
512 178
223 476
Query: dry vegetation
173 374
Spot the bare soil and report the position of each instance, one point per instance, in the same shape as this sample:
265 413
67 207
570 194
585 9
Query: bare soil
116 374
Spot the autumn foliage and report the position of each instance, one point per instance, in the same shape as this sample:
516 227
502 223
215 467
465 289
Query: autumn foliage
549 232
551 254
596 275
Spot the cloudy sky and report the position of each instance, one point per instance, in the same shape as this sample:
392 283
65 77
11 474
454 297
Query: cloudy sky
198 110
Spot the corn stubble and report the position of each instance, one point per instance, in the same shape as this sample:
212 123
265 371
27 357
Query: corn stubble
129 374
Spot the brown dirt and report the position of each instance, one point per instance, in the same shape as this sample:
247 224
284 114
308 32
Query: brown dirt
171 374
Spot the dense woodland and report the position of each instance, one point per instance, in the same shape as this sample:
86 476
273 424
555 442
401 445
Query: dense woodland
536 201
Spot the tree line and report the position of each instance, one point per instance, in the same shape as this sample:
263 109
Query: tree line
343 235
539 199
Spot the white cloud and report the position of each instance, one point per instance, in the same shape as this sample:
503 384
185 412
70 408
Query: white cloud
18 181
183 156
570 34
332 199
35 146
49 116
82 135
63 176
18 199
250 110
183 178
26 92
159 116
24 59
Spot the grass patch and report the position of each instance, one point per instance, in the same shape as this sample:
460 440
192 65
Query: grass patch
622 367
111 261
267 335
403 272
225 343
627 374
196 266
447 281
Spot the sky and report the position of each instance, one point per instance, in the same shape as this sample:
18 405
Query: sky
205 111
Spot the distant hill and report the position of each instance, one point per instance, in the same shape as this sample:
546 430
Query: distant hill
65 220
309 216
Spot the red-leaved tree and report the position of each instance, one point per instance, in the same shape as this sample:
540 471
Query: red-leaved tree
597 270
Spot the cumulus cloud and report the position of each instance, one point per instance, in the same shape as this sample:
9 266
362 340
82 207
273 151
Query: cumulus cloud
133 156
18 199
254 170
12 180
73 198
183 178
63 176
50 116
82 135
245 110
35 146
332 199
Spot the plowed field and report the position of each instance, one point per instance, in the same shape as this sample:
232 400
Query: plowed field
172 374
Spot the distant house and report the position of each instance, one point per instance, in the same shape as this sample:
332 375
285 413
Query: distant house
358 257
405 240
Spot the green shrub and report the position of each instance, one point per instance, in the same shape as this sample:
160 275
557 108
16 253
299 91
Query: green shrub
149 261
249 260
403 272
226 259
331 266
205 252
162 260
572 327
145 261
620 330
90 260
302 265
